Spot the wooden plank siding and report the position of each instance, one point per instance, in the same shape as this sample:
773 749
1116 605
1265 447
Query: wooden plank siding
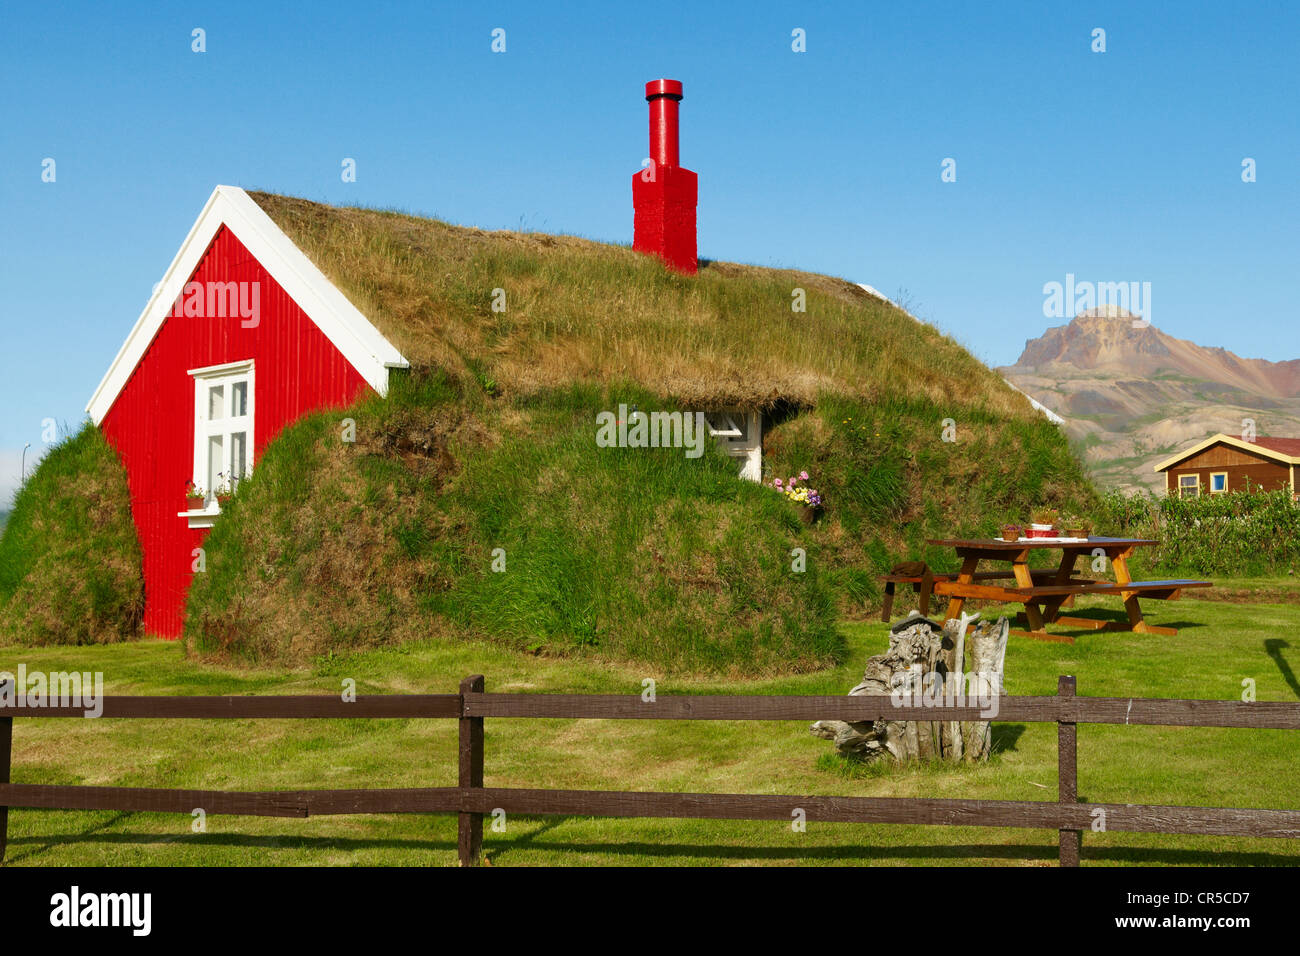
1262 473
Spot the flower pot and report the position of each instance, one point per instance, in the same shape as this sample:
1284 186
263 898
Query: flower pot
809 514
223 500
195 502
1076 532
1011 532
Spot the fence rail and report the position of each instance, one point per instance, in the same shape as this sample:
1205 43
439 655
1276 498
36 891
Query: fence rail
471 800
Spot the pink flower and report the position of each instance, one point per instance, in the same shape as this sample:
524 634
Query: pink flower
777 482
803 475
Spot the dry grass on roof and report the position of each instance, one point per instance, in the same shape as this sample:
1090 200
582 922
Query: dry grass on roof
578 311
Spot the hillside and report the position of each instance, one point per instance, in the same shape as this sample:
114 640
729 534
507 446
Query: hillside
1133 396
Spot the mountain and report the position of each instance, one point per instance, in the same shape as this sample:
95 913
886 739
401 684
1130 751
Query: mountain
1132 394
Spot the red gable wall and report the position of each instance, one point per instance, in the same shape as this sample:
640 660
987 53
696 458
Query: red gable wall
151 423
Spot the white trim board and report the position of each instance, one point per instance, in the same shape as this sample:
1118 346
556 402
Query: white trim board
348 330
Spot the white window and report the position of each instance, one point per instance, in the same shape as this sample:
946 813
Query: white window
1218 482
740 433
223 426
1189 486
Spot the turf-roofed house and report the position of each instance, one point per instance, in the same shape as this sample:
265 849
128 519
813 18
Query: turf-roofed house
245 334
338 425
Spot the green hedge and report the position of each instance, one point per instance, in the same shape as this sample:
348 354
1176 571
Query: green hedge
1254 533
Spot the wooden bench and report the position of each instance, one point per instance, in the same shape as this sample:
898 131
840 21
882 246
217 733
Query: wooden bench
1156 590
1159 590
925 588
922 584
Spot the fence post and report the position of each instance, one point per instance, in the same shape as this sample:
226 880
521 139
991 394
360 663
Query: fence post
469 829
6 748
1067 772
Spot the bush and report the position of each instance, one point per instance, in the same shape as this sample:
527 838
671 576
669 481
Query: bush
70 560
1241 533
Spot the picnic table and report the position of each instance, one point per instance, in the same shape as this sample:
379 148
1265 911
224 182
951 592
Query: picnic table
1045 592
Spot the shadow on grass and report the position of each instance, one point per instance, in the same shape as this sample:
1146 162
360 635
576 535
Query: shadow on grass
939 855
500 851
41 844
1273 647
1118 621
1006 736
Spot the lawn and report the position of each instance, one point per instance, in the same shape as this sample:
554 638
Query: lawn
1219 645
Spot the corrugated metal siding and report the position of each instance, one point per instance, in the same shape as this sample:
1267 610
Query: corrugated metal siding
151 424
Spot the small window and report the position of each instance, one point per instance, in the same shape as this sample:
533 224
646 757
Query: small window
1218 482
740 433
223 426
1189 486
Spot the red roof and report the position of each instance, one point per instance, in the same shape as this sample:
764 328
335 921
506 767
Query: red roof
1287 446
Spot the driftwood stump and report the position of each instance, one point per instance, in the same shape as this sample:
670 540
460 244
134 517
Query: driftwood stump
926 662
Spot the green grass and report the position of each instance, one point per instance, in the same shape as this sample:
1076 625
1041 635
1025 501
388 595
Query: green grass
1218 646
69 558
619 554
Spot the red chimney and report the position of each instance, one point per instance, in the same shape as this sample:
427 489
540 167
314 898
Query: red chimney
664 194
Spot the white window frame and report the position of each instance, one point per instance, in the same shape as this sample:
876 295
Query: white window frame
1181 487
228 375
740 433
1218 491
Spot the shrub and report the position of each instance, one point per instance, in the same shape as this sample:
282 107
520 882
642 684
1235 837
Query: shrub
1241 533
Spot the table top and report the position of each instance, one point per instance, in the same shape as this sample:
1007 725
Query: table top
997 544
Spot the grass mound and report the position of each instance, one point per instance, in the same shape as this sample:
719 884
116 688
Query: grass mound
70 561
460 515
890 481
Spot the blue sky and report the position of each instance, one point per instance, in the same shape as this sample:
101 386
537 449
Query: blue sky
1115 166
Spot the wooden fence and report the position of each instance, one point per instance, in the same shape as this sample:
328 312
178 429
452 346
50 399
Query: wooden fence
471 800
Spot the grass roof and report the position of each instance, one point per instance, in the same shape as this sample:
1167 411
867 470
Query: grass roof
578 311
